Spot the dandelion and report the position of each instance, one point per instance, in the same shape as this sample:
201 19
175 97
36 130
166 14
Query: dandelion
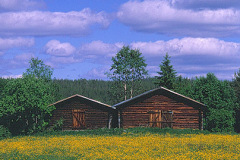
150 146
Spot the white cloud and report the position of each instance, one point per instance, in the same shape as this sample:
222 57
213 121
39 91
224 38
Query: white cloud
162 17
16 5
189 56
189 46
55 48
95 52
38 23
99 50
202 4
20 61
97 73
64 60
12 76
8 43
193 56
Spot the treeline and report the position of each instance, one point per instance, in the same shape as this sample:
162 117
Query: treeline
99 90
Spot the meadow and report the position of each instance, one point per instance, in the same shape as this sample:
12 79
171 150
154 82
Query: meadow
122 144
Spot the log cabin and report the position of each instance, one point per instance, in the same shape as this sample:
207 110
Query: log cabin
79 112
161 108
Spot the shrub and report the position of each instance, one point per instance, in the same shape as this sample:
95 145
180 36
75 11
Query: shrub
4 132
220 120
58 125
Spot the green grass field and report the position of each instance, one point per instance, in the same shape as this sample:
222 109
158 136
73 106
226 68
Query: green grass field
138 143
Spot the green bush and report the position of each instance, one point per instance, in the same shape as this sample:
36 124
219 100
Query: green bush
58 126
4 132
220 120
220 101
24 105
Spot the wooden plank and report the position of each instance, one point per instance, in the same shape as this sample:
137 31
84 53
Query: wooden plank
94 116
136 114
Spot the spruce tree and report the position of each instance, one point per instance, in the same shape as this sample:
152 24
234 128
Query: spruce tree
236 87
167 75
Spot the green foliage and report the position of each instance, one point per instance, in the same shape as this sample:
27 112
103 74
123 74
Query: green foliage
214 93
183 86
128 69
24 105
236 87
3 82
4 132
58 125
137 131
39 69
96 89
167 75
219 97
220 120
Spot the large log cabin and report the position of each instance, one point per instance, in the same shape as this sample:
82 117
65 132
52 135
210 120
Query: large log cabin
160 108
79 112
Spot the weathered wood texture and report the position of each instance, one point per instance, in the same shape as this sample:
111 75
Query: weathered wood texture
78 113
139 113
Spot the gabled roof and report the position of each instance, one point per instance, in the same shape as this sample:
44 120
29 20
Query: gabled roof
85 98
161 91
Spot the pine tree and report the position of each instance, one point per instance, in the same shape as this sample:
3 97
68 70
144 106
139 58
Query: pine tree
167 75
236 85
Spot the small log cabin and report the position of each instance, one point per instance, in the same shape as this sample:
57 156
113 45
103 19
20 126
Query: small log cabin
160 108
79 112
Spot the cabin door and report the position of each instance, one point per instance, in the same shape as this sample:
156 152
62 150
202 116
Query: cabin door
161 119
78 119
167 119
155 118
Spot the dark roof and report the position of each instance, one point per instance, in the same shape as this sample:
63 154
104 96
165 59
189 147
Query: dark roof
85 98
161 91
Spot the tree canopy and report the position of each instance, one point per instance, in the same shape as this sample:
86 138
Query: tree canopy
24 105
236 84
220 99
167 75
128 67
24 102
39 69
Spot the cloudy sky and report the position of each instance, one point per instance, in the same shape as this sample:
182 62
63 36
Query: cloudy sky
78 37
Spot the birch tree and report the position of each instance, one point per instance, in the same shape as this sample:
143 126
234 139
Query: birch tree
128 67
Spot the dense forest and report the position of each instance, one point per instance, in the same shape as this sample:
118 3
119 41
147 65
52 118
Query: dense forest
99 90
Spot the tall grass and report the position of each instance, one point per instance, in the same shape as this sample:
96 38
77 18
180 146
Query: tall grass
119 132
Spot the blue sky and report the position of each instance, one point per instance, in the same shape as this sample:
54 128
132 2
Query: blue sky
78 37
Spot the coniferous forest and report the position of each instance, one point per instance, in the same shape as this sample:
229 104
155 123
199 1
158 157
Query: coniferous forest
99 90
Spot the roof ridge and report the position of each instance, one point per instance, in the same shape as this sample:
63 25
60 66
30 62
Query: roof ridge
182 95
150 91
78 95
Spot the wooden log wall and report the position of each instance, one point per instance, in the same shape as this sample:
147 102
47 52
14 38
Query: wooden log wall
95 117
137 114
